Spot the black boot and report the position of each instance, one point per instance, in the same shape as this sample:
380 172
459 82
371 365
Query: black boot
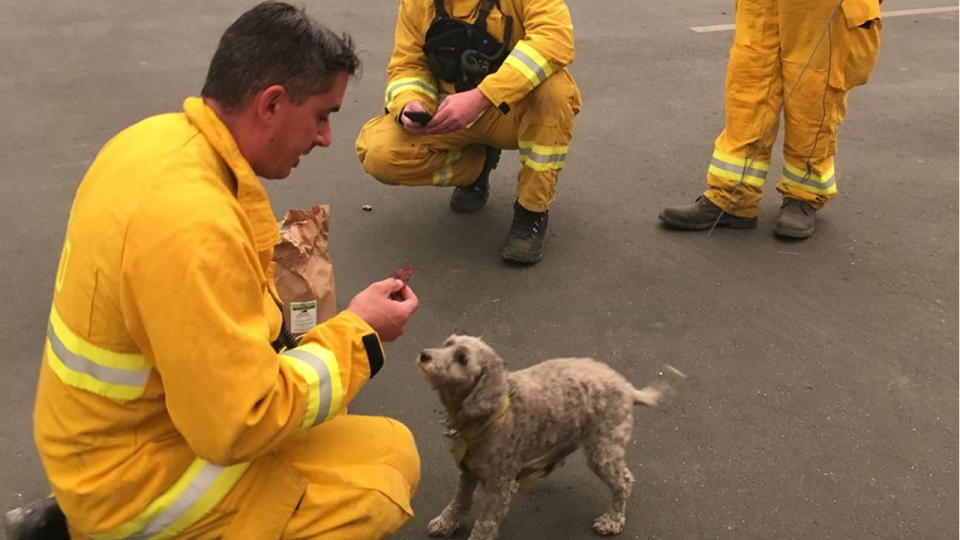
40 520
702 214
797 219
472 197
526 237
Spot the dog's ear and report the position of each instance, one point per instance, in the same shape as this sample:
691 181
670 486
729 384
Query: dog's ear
487 393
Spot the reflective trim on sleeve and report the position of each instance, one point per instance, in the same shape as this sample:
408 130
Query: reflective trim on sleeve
193 495
319 368
81 364
542 158
530 63
735 168
825 184
415 84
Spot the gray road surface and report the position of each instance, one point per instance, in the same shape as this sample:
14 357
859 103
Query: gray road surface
822 400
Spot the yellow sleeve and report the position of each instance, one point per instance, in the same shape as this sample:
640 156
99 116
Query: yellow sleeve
195 300
335 359
546 48
408 74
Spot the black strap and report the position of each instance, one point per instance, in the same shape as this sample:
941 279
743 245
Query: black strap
438 11
486 6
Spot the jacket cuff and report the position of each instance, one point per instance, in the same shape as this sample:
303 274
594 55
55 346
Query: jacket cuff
371 343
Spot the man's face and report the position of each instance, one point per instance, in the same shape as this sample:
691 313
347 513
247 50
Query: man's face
296 129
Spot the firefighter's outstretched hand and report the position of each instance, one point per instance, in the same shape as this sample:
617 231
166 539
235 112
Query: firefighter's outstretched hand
386 316
458 111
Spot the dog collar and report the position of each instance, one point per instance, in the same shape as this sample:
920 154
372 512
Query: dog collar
472 431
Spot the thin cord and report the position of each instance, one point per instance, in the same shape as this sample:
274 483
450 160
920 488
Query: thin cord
760 143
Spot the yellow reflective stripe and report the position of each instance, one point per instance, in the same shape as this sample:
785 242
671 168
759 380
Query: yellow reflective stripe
415 84
737 168
740 161
825 184
98 355
444 174
319 368
541 157
735 176
83 381
193 495
530 63
81 364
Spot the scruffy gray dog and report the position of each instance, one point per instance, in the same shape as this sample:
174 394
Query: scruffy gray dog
510 428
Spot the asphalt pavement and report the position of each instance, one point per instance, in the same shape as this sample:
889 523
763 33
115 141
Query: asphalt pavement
822 397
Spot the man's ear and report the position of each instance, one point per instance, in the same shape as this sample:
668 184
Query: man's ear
268 102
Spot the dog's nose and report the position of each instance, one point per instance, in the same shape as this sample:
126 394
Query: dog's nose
425 356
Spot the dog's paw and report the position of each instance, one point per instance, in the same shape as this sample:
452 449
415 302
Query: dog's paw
441 526
609 523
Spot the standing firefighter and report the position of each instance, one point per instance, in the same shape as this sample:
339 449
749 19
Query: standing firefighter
492 75
166 406
802 56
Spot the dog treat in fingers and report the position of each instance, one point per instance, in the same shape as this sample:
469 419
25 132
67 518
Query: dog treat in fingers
403 274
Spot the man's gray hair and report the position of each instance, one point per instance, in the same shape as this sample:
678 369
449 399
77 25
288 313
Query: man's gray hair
277 43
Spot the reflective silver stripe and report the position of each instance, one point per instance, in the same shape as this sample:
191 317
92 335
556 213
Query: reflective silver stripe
393 90
530 63
197 488
128 377
738 169
542 158
810 181
323 374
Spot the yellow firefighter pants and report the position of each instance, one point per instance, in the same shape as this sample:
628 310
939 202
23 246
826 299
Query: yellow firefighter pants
773 41
354 477
540 126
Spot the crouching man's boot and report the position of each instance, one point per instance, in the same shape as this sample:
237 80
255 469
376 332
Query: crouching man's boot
702 214
472 197
797 219
526 237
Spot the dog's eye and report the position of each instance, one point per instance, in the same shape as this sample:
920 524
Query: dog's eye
460 357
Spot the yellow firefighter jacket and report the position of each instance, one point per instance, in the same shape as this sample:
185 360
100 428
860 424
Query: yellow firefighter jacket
541 44
159 389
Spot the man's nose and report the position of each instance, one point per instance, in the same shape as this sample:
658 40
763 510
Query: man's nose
324 136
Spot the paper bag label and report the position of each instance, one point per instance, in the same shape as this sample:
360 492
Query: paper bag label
303 316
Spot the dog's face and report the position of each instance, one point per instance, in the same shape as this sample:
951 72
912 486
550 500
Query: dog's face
458 363
467 373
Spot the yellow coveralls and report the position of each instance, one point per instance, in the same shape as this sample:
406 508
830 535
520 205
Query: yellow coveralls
773 41
534 101
162 408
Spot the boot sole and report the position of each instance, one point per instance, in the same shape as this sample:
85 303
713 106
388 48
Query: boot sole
736 223
793 233
467 208
522 259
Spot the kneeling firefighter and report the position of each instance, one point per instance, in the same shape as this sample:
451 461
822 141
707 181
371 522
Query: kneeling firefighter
466 79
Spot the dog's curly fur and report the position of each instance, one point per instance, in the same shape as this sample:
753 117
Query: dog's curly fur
554 408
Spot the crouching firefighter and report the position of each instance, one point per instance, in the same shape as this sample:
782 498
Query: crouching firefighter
468 79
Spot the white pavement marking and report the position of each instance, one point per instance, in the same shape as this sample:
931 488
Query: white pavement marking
886 14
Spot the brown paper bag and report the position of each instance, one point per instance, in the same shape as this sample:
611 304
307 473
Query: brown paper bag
304 271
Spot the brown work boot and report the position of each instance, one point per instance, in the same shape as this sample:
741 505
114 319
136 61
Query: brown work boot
701 215
797 219
472 197
526 237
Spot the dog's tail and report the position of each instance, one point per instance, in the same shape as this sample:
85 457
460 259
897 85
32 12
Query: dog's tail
660 389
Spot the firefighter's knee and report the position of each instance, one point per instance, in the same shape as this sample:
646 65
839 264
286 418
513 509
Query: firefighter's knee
554 98
406 457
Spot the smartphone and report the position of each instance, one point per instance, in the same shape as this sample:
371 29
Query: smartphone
421 117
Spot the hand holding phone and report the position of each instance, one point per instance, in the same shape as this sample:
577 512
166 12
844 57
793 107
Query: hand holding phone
421 117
